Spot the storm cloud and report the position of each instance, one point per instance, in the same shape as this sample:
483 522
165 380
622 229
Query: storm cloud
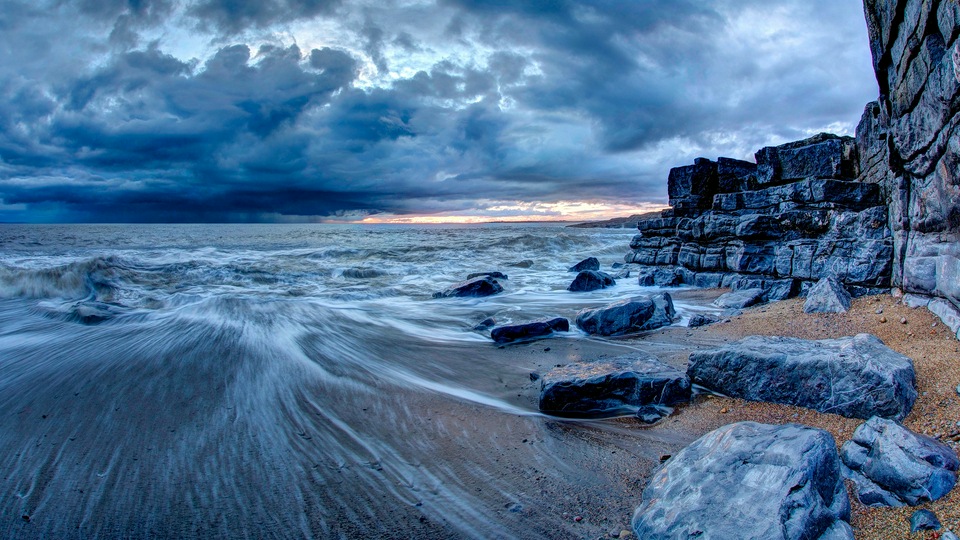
243 110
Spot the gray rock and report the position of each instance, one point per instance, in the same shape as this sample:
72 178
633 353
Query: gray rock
749 481
827 296
363 273
701 320
485 324
924 520
480 286
948 535
590 263
857 377
739 299
591 280
892 466
528 331
628 316
612 387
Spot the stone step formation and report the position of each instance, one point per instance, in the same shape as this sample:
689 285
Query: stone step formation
795 216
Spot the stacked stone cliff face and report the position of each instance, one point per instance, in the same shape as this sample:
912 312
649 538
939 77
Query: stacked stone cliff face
909 142
798 214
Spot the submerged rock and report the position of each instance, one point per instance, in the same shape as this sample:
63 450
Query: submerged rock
749 481
612 387
537 329
590 263
893 466
480 286
494 275
827 296
628 316
485 324
739 299
591 280
857 377
363 273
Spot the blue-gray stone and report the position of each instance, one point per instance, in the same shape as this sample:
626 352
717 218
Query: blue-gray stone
528 331
591 280
628 316
924 520
827 296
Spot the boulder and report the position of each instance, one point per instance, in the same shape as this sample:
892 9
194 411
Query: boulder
749 481
590 263
591 280
533 330
479 286
892 466
494 275
827 296
924 520
628 316
739 299
363 273
612 387
857 377
700 319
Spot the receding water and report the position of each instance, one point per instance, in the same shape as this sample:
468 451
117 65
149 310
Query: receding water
279 381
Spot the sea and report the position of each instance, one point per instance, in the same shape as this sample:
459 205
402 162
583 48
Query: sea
301 381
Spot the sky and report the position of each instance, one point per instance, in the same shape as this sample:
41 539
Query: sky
403 110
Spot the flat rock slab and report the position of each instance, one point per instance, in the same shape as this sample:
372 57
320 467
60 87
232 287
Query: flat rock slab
739 299
893 466
857 377
479 286
591 280
628 316
749 481
827 296
533 330
612 387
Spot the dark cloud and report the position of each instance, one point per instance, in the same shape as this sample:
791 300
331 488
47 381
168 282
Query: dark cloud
400 109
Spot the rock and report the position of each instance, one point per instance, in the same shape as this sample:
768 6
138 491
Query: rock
591 280
494 275
628 316
739 299
590 263
528 331
924 520
857 377
526 263
612 387
651 414
701 320
749 481
892 466
485 324
948 535
827 296
480 286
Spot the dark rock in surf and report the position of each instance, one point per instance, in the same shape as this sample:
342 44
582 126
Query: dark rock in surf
856 377
612 387
494 275
591 280
590 263
786 481
485 324
528 331
628 316
363 273
480 286
893 466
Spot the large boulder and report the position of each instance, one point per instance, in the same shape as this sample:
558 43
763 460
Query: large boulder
893 466
749 481
479 286
827 296
533 330
628 316
591 280
739 299
612 387
590 263
857 377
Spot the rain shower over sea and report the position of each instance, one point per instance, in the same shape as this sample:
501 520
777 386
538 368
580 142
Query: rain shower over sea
300 381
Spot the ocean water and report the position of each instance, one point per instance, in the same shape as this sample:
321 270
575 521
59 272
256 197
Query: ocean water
286 381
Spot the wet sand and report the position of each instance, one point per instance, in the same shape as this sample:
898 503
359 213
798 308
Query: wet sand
449 447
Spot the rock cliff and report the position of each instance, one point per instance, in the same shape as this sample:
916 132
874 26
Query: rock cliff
909 143
878 210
